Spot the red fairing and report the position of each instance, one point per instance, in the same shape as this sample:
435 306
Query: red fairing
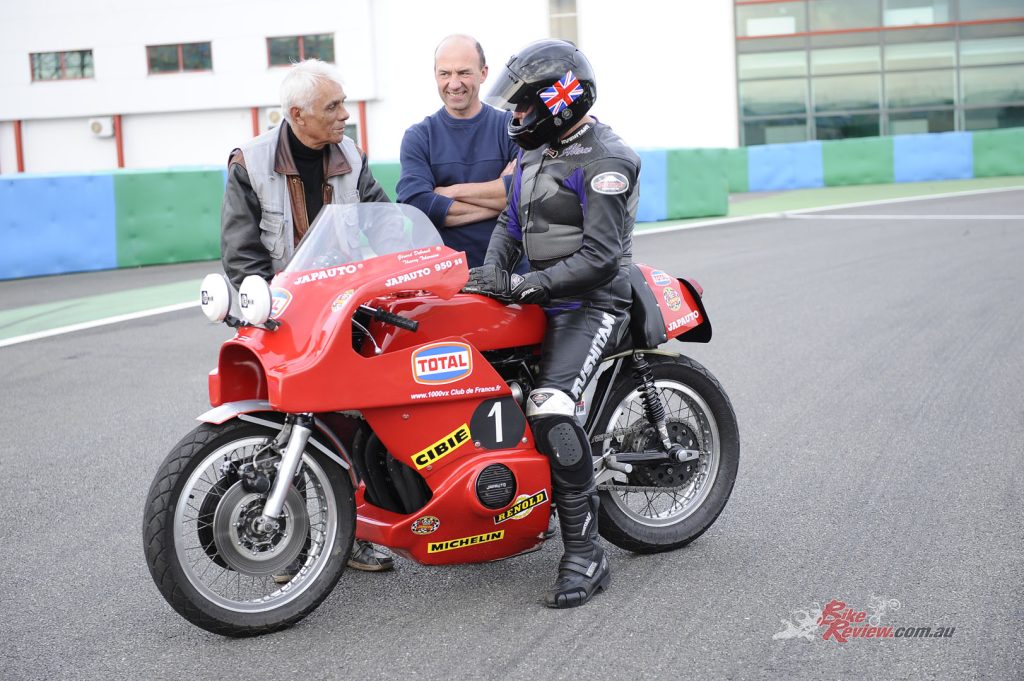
680 304
431 397
320 371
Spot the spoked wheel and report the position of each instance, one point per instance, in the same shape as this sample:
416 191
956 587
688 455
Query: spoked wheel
211 558
663 506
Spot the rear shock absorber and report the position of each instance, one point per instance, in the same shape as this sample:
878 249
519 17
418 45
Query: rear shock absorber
654 410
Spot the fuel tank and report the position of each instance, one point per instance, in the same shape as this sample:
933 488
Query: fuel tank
484 323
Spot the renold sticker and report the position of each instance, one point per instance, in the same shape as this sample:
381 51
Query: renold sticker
523 507
440 363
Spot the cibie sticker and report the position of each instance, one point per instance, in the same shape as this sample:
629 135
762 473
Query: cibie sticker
609 183
279 299
523 507
428 524
442 448
440 363
660 278
672 299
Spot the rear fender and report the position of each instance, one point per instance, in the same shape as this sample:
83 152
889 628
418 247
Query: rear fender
260 413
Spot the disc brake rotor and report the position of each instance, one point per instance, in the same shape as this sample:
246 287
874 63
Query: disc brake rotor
669 473
252 552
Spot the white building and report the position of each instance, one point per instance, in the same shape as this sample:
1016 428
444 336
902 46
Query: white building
78 91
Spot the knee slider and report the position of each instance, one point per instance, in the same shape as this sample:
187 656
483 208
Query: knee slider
559 438
551 415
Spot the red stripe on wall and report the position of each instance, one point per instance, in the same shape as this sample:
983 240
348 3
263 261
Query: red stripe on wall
362 129
18 152
119 140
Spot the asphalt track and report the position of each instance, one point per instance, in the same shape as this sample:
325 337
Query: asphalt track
874 360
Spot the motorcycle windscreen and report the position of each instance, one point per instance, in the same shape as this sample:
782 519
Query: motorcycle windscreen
353 232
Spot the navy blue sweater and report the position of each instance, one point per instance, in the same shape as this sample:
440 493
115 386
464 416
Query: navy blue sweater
440 151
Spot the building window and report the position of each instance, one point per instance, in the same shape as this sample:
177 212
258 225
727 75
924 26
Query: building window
181 57
62 65
846 125
562 20
774 131
877 67
914 12
780 18
291 49
990 119
980 10
916 122
837 15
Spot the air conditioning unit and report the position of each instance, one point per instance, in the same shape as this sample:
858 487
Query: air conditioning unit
272 117
102 126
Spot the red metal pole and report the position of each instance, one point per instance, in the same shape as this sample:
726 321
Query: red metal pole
255 121
119 140
362 129
17 147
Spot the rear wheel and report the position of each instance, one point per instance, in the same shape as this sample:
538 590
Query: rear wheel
211 560
659 507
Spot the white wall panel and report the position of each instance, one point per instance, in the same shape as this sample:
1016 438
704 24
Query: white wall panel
65 145
184 139
407 34
665 69
8 152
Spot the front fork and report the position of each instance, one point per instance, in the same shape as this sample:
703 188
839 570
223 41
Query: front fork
298 431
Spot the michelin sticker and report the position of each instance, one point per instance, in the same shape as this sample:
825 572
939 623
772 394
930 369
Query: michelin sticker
610 183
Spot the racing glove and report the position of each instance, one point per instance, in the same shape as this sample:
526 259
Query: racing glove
494 282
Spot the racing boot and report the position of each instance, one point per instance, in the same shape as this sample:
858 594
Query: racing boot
583 570
367 558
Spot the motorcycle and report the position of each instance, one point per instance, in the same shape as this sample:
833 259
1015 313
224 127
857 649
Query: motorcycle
363 396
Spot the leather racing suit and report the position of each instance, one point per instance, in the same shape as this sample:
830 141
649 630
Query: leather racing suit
571 211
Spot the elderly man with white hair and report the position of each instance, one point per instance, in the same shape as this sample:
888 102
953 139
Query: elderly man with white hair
279 181
277 184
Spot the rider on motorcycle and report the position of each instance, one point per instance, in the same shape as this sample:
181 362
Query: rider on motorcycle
571 210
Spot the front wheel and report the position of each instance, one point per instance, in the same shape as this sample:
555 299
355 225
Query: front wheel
214 563
663 506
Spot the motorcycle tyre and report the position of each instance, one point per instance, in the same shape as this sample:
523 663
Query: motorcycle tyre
158 536
621 530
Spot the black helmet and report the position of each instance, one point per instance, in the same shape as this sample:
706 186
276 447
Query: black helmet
553 82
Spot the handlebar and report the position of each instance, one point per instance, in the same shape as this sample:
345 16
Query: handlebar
380 314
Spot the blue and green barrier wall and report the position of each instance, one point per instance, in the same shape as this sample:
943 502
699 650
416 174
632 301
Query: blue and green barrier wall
51 224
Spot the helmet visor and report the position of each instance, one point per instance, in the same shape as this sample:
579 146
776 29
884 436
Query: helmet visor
508 91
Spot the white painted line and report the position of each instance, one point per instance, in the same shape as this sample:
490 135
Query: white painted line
99 322
801 211
902 217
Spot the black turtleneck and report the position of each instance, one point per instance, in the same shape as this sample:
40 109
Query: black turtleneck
310 164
